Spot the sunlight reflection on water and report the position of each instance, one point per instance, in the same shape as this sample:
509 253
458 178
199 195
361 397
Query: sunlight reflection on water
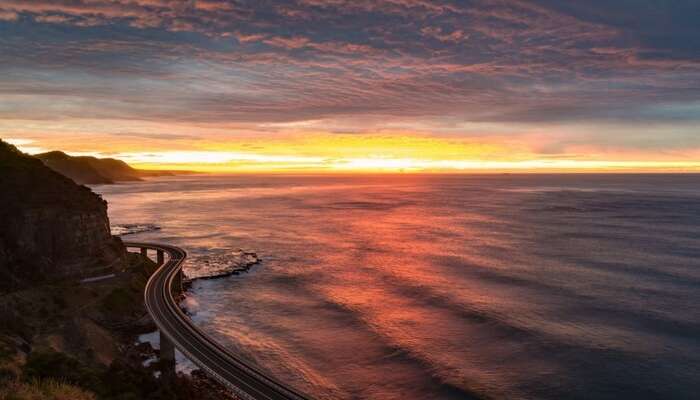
441 287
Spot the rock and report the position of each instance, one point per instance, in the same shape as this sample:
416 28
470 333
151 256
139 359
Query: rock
204 383
50 227
130 229
221 265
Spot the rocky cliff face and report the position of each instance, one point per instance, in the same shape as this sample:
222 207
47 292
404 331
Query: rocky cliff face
50 227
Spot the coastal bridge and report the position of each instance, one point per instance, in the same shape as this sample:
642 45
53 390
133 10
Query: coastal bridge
178 331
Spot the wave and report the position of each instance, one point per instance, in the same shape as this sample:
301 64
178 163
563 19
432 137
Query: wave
548 347
365 205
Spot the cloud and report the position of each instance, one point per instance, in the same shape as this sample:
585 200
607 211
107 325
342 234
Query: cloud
6 15
356 66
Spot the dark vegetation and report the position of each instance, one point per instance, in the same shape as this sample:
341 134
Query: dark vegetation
23 176
61 339
120 380
76 341
87 170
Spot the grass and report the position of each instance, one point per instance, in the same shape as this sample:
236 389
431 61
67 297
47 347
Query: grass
43 390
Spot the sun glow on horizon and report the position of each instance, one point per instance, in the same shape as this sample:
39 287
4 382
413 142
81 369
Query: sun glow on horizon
380 165
357 154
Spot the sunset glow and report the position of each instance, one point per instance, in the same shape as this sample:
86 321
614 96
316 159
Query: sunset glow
351 86
349 199
402 154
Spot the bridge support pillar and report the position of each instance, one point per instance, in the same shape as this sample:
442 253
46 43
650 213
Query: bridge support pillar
167 355
160 257
144 252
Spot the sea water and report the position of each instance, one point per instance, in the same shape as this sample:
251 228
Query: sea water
419 287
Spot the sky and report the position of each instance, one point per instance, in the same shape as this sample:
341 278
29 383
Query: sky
356 85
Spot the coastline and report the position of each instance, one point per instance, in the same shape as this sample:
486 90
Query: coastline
85 336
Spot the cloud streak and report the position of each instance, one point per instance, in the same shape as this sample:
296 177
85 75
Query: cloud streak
358 66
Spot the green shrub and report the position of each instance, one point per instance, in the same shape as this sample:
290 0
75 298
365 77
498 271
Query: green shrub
7 373
119 301
59 367
124 382
60 301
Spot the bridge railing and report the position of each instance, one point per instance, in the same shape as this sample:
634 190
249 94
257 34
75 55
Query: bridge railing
169 276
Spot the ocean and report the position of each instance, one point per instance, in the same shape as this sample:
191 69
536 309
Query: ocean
420 287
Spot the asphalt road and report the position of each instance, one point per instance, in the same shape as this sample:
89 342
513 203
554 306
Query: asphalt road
245 380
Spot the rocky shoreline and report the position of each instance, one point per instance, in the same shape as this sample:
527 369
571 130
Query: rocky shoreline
222 265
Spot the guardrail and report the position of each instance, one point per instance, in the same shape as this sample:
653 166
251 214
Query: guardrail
245 380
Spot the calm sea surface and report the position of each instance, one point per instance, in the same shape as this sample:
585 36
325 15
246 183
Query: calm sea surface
445 287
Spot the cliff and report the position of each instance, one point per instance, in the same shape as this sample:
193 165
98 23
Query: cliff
50 227
64 340
90 170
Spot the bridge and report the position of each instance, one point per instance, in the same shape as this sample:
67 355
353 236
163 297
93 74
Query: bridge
178 331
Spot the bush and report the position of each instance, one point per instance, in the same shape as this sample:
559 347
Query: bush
119 301
7 373
60 301
59 367
123 382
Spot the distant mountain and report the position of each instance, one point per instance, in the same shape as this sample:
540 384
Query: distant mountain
90 170
50 227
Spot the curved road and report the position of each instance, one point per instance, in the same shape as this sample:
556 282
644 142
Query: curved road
225 367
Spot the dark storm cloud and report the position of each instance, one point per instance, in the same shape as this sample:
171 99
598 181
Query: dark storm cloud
276 61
